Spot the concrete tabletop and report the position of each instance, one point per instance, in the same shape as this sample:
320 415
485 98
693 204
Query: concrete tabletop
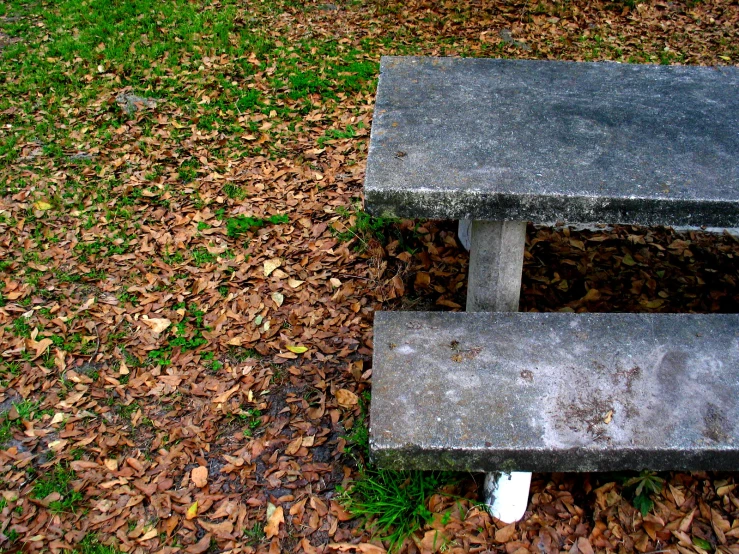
555 141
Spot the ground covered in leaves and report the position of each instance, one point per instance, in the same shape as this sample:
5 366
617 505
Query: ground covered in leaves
187 279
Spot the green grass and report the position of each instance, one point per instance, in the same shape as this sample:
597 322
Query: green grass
127 411
12 535
364 227
59 480
176 258
241 224
252 418
209 360
254 535
6 430
201 257
336 134
234 192
79 50
394 503
91 545
21 328
358 437
185 335
27 411
183 340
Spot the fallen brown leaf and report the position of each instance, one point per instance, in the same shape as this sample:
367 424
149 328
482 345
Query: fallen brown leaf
157 325
273 523
346 398
199 476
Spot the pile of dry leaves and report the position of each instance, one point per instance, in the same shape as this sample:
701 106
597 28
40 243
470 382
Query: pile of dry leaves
186 340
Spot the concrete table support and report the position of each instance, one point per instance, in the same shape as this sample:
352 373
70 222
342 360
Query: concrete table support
494 285
496 262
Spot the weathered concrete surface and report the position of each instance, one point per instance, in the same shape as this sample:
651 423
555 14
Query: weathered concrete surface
546 141
555 392
496 263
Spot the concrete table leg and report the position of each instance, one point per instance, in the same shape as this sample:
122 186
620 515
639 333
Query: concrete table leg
494 285
496 263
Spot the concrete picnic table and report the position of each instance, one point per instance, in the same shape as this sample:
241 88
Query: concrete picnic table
502 142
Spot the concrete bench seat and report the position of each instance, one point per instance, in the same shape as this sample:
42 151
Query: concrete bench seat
555 391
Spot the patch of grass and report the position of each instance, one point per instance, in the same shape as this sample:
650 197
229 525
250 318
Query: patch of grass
239 354
201 256
394 503
358 437
127 411
104 246
210 361
359 76
186 335
159 356
248 100
252 418
309 82
126 296
181 338
336 134
21 328
364 227
234 191
65 277
12 535
59 480
14 368
177 258
91 545
95 275
27 410
241 224
6 430
254 535
187 174
74 342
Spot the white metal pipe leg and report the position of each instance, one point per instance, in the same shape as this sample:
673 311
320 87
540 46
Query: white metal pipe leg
494 285
507 494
